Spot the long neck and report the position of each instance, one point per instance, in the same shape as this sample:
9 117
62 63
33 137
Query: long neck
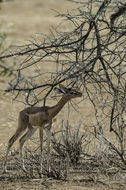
56 109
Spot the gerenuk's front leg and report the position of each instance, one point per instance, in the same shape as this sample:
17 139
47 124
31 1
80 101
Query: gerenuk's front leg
41 144
48 132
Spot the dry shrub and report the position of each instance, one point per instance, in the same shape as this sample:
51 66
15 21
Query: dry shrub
66 152
68 145
108 154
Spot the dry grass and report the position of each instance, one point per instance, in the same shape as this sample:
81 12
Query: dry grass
67 165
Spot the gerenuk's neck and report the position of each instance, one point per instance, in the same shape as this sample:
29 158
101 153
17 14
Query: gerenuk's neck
53 111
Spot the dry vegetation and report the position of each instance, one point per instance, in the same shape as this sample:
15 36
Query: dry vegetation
88 143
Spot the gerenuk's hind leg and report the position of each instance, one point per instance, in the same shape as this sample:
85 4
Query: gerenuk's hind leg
17 134
25 137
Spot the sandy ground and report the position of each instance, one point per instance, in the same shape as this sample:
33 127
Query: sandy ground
21 20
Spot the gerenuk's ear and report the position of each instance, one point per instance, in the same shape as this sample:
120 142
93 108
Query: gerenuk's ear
62 87
58 91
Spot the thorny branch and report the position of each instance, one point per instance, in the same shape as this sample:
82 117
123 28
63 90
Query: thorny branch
90 55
